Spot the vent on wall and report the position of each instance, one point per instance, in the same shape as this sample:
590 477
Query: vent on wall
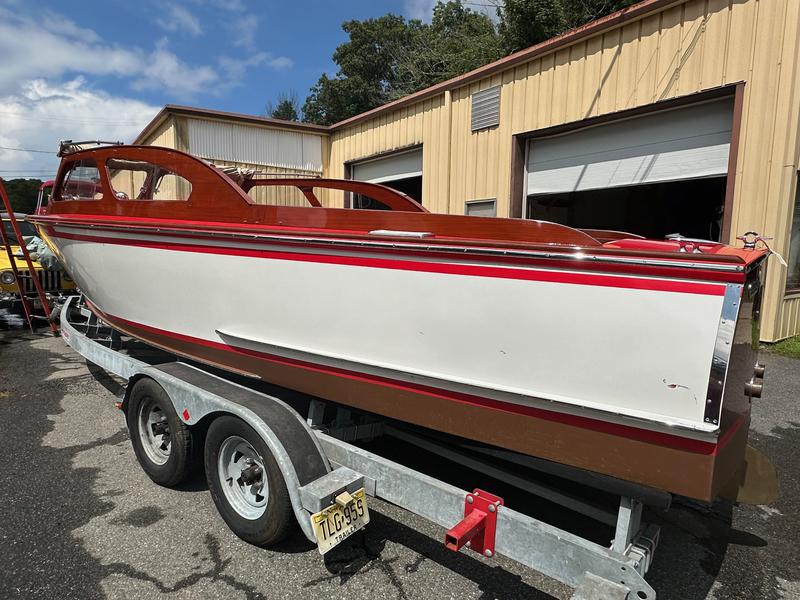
486 108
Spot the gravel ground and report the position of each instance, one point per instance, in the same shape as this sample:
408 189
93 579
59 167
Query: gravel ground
79 519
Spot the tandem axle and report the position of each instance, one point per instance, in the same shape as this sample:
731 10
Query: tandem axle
269 467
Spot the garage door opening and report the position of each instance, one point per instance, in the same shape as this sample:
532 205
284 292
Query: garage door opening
652 175
692 208
401 171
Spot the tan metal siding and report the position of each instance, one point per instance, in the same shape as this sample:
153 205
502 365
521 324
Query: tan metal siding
684 49
164 135
280 196
251 144
424 123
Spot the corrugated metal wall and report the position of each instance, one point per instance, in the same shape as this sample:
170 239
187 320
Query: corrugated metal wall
267 150
281 196
426 123
251 144
687 48
164 135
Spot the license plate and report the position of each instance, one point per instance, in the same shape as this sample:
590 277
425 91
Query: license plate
336 523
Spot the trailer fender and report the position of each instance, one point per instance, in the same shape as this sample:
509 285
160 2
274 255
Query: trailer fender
196 394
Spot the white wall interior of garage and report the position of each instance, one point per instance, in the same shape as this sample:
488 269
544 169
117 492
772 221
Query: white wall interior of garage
674 145
389 168
237 143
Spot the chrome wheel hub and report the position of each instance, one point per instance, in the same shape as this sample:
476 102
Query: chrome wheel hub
243 478
154 432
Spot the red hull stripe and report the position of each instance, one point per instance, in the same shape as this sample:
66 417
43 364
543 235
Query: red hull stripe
617 281
435 253
626 431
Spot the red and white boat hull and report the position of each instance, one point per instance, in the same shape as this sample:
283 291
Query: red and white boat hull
630 355
595 349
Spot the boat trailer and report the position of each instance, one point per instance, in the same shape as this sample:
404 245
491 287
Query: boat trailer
321 470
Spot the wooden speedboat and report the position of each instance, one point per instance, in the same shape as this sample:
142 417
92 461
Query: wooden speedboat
629 357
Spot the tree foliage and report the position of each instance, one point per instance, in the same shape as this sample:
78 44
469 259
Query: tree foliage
457 40
523 23
367 67
23 193
286 107
389 57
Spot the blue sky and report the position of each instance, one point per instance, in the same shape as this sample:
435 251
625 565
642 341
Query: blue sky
92 69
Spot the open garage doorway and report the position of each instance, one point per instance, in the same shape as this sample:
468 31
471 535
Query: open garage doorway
655 174
693 208
401 171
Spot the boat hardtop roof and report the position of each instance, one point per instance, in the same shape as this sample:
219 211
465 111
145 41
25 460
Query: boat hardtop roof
218 199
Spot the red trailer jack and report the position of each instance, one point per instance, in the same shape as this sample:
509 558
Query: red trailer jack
477 529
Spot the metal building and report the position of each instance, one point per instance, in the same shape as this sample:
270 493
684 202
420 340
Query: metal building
669 116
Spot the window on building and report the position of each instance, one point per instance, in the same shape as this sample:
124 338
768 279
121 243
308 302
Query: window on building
481 208
793 278
82 182
141 180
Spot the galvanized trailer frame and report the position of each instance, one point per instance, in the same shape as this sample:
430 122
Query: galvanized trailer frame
594 570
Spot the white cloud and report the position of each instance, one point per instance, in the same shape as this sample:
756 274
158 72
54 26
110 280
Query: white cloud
162 68
43 50
419 9
179 19
54 48
227 5
235 68
43 113
280 62
423 9
243 30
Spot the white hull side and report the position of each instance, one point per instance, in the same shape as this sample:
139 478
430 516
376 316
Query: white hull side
641 353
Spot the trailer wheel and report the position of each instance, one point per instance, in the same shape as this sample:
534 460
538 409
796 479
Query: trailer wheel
246 483
163 444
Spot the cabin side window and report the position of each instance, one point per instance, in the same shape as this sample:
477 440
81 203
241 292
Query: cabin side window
81 182
141 180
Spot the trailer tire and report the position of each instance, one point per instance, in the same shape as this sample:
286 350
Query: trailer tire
171 459
255 504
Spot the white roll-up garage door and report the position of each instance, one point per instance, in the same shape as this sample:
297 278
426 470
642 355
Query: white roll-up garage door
684 143
389 168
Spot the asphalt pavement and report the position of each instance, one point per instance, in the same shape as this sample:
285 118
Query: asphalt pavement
79 518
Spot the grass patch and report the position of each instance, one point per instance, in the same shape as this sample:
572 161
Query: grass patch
789 347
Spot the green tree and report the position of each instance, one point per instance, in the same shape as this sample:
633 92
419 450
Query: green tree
286 107
523 23
22 193
457 40
366 69
389 57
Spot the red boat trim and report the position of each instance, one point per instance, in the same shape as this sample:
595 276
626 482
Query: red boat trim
113 222
575 278
616 429
563 259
